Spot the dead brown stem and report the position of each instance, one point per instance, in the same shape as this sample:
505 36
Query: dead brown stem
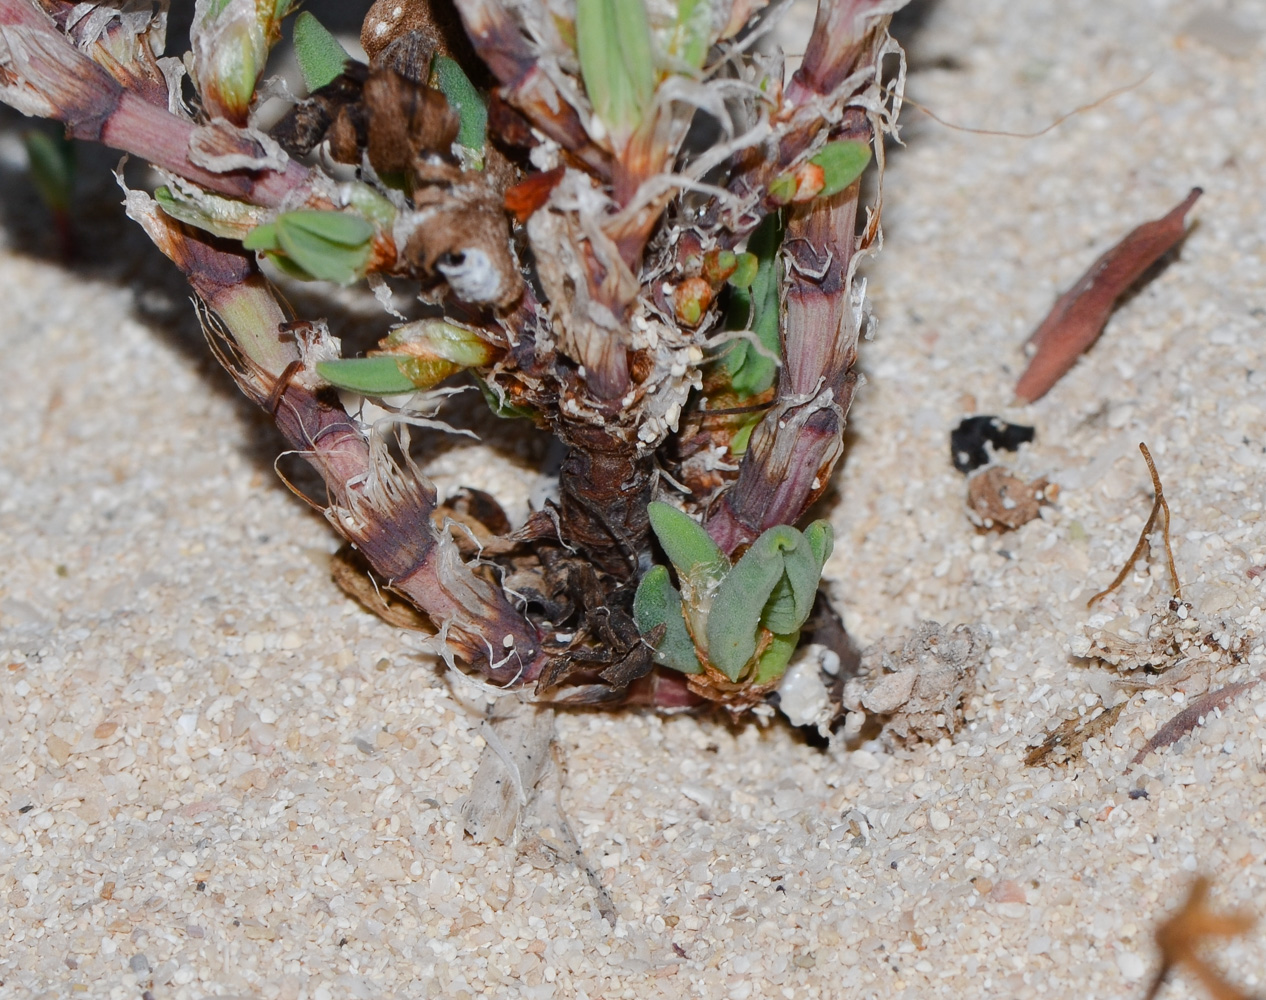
1159 505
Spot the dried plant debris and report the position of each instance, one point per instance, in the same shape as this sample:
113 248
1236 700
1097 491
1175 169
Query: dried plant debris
1162 642
517 739
1159 506
1181 938
353 576
1080 314
999 500
1191 717
1065 742
918 682
972 441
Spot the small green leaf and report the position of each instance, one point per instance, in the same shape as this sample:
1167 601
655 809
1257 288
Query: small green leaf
321 58
741 598
692 32
330 246
613 38
234 220
656 603
698 559
437 338
261 238
745 272
759 305
52 164
341 228
782 189
842 163
368 376
791 600
507 411
821 538
773 662
451 80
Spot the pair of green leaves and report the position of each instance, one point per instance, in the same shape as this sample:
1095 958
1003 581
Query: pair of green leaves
308 244
744 619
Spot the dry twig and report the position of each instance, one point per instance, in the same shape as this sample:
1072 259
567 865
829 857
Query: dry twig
1179 939
1158 505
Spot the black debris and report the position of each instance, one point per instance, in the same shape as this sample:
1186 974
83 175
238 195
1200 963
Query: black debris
970 439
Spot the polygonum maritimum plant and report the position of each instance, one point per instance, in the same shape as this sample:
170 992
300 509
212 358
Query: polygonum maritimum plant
620 222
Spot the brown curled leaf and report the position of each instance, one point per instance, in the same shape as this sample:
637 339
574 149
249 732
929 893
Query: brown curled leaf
351 573
1191 717
1079 315
531 193
1064 743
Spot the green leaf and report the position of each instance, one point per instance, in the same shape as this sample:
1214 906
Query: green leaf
791 600
842 163
741 598
451 80
759 305
234 220
330 246
748 264
507 411
52 164
773 662
437 338
616 61
656 603
341 228
772 587
692 32
261 238
321 58
368 376
821 538
782 189
698 559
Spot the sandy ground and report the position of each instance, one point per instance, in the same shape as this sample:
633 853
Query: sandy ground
218 776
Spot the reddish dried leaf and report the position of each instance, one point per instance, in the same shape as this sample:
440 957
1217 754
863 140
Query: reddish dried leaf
1191 717
528 195
1079 316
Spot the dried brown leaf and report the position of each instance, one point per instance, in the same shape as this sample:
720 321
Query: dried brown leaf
1064 743
351 573
1192 716
1079 315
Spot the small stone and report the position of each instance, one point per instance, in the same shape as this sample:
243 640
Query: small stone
1132 967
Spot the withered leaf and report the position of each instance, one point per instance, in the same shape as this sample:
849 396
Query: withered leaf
1064 743
1191 717
1079 315
406 119
350 572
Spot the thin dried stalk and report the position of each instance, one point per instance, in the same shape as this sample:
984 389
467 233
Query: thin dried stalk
1159 506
